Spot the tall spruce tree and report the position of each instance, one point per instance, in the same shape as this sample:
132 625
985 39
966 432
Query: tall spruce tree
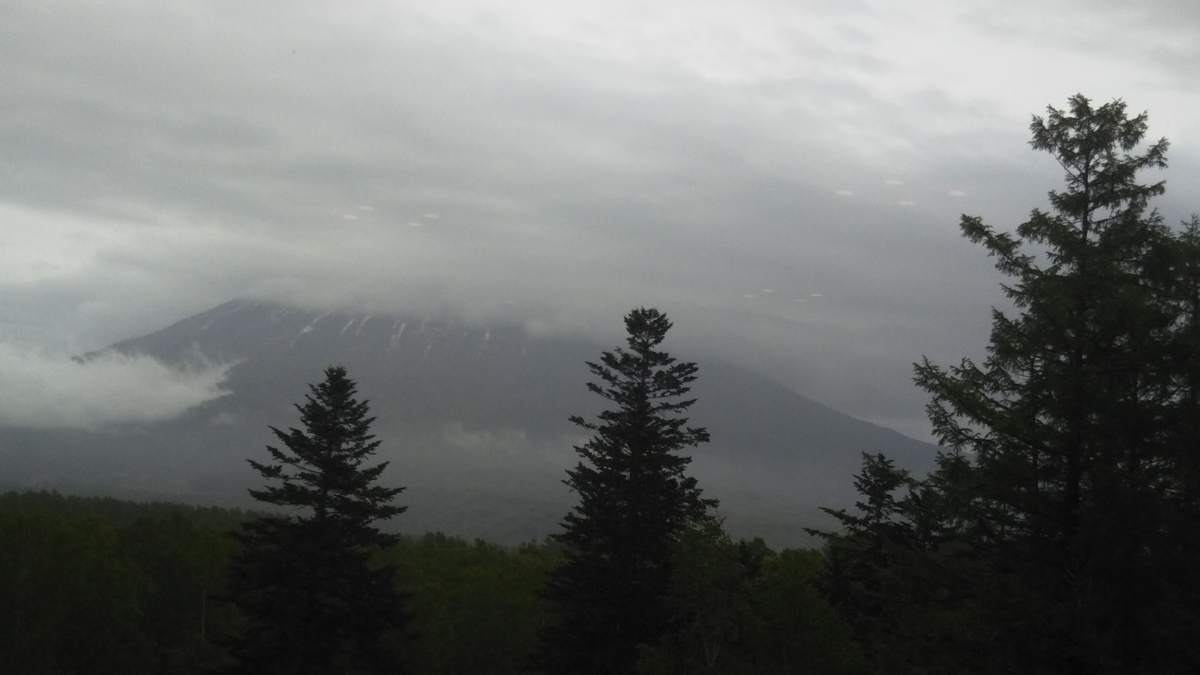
634 498
858 557
1068 439
315 603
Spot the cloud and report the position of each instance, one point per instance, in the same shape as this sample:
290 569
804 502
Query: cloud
47 391
547 161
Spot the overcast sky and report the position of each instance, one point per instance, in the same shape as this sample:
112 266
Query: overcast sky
783 178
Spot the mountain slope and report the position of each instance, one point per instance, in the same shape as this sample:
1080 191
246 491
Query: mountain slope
473 419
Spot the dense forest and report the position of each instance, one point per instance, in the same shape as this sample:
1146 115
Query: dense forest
96 585
1059 533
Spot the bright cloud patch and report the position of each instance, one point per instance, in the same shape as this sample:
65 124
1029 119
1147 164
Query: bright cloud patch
47 391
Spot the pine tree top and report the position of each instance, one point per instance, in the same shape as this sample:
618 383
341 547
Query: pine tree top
632 477
321 468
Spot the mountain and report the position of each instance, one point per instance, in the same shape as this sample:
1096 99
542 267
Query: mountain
473 419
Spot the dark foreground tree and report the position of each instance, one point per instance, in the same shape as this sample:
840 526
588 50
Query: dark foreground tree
1059 533
1070 445
316 603
611 592
859 558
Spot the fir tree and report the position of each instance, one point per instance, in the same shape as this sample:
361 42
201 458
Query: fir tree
1067 424
860 553
314 601
634 498
859 575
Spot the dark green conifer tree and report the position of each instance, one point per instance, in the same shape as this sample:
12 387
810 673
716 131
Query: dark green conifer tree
315 602
1068 424
859 557
634 498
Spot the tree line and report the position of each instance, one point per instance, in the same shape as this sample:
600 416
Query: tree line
1059 532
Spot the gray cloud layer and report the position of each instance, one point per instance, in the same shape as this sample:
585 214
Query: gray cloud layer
784 180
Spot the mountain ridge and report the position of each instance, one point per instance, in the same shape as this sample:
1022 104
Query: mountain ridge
474 419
